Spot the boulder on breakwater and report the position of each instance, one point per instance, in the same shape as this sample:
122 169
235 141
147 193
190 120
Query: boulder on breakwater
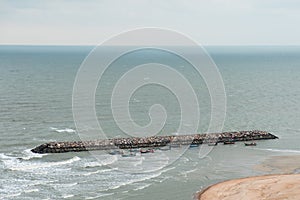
153 141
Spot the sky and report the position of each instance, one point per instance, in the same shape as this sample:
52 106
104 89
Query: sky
208 22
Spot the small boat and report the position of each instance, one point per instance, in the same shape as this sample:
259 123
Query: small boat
229 142
194 145
212 144
250 144
147 151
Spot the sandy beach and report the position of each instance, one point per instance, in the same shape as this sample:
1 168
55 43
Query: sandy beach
282 185
270 187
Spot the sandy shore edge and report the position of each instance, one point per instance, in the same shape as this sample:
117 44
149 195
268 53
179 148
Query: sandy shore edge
275 187
282 170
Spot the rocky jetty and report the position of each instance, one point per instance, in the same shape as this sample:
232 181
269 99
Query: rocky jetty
154 141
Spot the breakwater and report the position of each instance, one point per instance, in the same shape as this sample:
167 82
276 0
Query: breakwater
154 141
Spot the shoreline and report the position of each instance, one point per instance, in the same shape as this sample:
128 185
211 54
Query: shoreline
283 183
272 186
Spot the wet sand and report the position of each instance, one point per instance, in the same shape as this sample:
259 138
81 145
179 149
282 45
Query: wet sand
280 165
275 187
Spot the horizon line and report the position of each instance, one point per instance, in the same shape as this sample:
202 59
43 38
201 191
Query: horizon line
94 45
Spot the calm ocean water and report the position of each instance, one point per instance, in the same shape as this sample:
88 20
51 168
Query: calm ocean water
263 92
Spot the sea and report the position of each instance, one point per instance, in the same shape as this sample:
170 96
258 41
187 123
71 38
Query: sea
262 87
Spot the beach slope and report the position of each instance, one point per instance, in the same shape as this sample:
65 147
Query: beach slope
275 187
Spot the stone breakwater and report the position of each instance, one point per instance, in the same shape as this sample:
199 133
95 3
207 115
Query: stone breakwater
149 142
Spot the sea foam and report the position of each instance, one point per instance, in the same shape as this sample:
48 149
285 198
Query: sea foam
14 163
65 130
281 150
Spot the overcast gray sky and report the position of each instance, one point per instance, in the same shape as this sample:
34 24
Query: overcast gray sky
209 22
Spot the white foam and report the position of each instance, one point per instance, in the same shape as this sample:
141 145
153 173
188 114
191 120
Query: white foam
136 100
10 195
65 130
185 173
100 171
70 184
13 164
5 157
31 190
68 196
139 162
164 179
141 178
60 186
29 155
142 187
131 181
98 196
92 164
102 161
281 150
167 169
